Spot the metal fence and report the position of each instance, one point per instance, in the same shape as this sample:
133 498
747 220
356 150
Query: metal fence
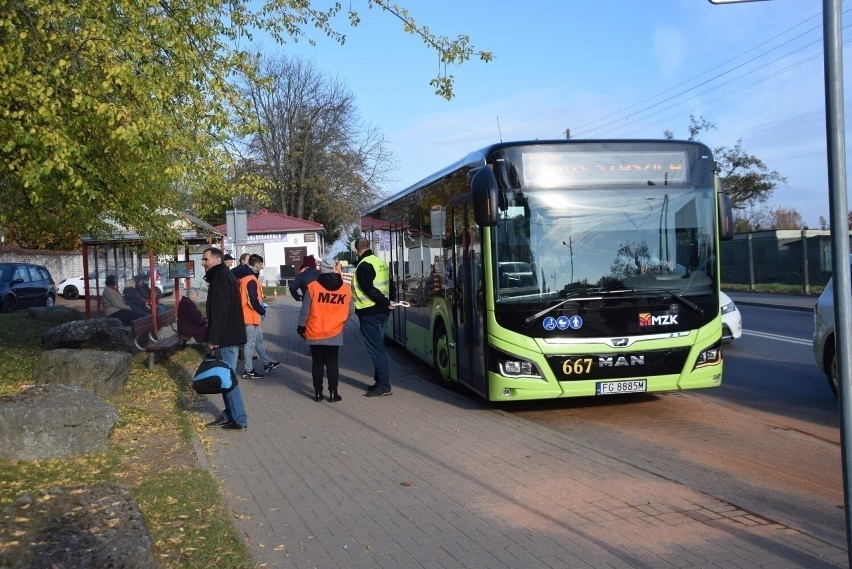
792 257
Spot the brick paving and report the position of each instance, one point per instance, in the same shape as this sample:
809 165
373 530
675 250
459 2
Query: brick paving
432 478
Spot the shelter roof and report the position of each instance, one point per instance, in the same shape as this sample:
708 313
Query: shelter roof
191 229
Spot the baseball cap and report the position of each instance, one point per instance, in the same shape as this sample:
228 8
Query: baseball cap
228 257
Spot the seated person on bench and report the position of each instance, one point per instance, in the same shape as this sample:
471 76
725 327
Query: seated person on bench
113 303
190 321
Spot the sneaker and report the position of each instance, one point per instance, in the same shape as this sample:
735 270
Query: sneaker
251 374
372 387
271 366
378 392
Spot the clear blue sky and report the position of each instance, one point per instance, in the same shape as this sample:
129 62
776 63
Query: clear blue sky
604 69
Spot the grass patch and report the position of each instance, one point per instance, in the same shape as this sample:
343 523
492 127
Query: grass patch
190 525
150 453
788 289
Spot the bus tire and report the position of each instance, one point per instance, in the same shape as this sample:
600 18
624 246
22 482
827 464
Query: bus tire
441 351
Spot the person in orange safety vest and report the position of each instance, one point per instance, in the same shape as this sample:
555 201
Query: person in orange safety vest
326 307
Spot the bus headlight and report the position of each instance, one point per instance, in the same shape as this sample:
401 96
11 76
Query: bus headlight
518 368
709 356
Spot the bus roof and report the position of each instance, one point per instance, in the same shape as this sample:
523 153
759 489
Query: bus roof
478 158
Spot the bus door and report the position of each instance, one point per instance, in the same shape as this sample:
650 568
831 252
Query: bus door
468 309
396 263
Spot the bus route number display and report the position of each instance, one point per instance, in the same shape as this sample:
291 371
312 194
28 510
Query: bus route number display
555 169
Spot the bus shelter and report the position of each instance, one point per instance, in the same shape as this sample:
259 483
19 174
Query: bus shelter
125 254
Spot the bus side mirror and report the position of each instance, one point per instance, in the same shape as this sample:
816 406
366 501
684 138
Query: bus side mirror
483 186
726 217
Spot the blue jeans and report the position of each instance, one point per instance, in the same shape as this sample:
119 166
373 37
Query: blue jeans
254 341
235 410
373 330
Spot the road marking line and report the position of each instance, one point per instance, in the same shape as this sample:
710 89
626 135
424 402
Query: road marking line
779 338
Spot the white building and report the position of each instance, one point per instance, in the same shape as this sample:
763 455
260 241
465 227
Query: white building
282 240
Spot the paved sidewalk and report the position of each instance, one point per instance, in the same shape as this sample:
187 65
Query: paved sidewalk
431 478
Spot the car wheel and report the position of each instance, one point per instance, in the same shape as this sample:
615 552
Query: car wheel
832 374
441 351
9 304
70 292
50 301
159 293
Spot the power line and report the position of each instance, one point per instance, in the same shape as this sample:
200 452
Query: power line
615 121
686 82
725 95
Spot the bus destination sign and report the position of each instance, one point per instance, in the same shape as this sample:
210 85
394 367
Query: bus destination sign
555 169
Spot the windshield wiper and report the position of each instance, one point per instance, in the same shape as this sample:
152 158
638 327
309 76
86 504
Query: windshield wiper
627 291
571 296
678 297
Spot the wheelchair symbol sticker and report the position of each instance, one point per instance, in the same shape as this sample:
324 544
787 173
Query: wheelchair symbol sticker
549 323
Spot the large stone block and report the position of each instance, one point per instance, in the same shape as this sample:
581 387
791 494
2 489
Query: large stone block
97 526
97 333
54 421
103 373
55 313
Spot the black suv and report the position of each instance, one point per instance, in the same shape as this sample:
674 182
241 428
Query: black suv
23 285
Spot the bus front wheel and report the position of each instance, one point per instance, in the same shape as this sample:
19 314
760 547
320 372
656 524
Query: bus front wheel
441 351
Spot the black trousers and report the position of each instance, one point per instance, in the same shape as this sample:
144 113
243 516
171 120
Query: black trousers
325 359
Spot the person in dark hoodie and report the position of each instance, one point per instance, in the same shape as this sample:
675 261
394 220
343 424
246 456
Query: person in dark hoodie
308 273
225 331
134 300
326 307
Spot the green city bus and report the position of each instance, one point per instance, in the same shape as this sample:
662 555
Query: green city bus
565 268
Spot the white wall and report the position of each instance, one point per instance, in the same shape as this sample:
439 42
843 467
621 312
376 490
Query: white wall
61 264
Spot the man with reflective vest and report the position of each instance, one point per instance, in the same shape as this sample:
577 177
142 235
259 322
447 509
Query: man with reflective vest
254 311
371 293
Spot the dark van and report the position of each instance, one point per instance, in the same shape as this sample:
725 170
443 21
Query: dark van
23 285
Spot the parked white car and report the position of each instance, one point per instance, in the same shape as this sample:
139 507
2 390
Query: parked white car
823 340
732 320
74 287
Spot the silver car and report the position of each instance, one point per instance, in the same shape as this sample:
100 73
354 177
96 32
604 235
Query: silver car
823 341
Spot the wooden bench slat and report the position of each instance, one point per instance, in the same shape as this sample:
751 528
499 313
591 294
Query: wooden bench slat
145 326
166 343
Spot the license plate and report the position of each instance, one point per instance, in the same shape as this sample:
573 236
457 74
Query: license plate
617 387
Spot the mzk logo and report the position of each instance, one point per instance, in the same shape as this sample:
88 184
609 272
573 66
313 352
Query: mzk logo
657 319
331 298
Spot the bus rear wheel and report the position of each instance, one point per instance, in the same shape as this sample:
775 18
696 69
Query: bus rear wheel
441 351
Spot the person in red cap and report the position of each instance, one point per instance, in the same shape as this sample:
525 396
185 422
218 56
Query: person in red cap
308 273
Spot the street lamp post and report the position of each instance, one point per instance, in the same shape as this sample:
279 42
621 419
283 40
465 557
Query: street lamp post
835 130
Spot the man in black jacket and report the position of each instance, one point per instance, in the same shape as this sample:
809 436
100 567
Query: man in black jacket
226 331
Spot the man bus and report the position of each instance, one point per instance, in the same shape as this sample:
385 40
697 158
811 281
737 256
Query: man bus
548 269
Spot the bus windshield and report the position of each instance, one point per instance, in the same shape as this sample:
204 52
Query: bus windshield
560 242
